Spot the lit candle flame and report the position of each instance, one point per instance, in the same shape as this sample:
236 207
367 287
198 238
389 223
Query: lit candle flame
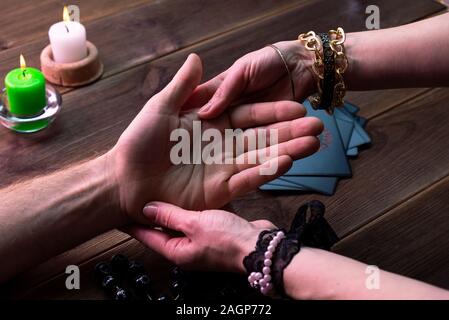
65 14
23 64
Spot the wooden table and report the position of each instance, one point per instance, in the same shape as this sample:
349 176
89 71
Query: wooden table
393 213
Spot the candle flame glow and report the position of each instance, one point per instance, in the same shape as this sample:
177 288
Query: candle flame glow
23 64
65 14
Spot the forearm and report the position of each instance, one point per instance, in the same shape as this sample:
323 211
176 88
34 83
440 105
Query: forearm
413 55
318 274
48 215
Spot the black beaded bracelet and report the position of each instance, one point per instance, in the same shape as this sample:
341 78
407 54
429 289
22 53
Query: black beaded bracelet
328 82
329 65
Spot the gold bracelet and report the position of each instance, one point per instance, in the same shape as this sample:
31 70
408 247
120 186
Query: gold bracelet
313 43
284 61
338 38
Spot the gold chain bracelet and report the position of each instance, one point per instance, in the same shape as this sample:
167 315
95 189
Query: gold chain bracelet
338 38
313 43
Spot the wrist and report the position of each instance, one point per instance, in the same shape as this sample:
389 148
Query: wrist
300 62
302 277
349 76
247 243
245 246
104 168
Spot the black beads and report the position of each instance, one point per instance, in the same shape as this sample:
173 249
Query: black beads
119 263
103 269
121 294
142 282
328 82
136 268
162 298
176 273
109 282
124 279
176 287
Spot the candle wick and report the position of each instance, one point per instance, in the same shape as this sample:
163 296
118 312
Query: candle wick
67 28
24 72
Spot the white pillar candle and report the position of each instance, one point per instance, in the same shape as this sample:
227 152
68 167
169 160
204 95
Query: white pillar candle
68 41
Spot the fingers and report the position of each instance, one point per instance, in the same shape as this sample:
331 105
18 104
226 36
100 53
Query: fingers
255 71
295 149
176 93
256 114
148 236
170 216
159 241
285 131
250 179
288 130
203 93
263 224
232 86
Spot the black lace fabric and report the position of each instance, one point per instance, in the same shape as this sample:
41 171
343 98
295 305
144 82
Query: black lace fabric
255 260
309 228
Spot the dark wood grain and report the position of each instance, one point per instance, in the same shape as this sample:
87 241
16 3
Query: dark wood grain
410 239
376 102
28 20
157 266
122 95
162 16
397 128
93 117
402 161
155 29
79 255
409 153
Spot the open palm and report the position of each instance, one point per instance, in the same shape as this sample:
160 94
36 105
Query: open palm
145 170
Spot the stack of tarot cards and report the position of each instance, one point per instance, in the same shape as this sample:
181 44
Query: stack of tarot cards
342 136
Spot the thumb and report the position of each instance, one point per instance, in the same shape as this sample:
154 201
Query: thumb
176 93
227 92
170 217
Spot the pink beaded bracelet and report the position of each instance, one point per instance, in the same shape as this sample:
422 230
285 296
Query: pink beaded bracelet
262 279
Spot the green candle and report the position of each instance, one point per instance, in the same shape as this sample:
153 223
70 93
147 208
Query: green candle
25 89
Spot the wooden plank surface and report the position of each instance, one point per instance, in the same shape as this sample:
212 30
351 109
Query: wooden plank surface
402 161
168 64
91 112
410 239
156 266
400 126
88 123
27 20
233 17
155 29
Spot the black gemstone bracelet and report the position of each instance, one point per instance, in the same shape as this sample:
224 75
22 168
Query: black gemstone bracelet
328 82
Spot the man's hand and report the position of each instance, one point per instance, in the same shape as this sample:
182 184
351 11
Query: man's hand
140 162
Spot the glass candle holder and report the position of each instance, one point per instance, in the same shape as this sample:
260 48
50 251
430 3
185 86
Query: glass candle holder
33 123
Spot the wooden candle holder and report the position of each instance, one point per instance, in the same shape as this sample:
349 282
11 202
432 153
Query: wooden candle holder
73 74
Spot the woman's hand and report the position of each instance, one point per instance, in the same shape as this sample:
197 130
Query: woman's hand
141 161
211 240
257 77
217 240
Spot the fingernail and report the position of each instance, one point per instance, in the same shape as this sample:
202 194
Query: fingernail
205 108
150 211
